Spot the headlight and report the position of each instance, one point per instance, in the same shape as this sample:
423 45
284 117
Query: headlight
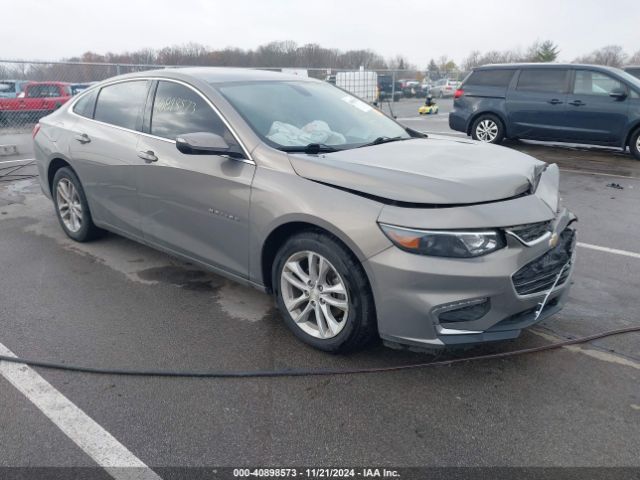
445 243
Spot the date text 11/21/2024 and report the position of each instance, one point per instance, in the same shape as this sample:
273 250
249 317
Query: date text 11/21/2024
316 473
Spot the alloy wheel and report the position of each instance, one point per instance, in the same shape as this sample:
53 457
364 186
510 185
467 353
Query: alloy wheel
69 205
487 130
314 294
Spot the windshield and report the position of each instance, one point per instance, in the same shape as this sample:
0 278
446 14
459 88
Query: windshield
296 114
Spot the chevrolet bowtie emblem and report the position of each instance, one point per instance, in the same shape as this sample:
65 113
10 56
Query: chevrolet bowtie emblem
553 241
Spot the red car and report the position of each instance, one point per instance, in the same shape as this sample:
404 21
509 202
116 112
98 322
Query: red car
36 100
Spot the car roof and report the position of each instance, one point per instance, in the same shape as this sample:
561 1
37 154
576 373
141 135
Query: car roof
63 84
219 74
546 65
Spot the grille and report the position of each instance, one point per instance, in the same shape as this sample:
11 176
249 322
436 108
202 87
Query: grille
539 275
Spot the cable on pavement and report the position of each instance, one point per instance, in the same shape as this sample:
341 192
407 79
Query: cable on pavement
311 372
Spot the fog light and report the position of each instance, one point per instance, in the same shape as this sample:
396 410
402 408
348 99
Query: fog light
466 312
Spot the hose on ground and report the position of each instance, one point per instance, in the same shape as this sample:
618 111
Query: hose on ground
312 372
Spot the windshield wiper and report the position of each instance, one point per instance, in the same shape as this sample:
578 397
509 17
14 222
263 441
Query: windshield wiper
381 140
312 149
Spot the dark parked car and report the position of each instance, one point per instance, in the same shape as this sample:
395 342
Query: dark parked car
387 88
552 102
633 70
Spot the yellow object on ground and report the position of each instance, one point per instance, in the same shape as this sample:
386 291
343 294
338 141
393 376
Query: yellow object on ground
428 109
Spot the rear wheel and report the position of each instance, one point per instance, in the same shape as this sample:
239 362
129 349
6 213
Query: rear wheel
323 293
487 128
634 144
72 207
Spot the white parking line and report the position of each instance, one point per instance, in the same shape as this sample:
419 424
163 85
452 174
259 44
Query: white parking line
94 440
585 172
609 250
16 161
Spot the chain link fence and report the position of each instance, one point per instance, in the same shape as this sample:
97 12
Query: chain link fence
30 90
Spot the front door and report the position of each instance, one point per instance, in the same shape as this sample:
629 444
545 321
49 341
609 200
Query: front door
593 116
195 205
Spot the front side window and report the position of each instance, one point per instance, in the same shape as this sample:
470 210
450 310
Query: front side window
85 105
121 104
594 83
299 113
178 110
544 80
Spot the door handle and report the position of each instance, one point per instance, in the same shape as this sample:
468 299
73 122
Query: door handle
555 101
148 156
82 138
577 103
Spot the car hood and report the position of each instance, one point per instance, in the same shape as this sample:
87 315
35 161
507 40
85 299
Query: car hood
434 171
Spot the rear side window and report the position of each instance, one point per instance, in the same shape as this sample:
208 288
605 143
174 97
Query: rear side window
122 104
178 110
490 78
84 107
546 80
594 83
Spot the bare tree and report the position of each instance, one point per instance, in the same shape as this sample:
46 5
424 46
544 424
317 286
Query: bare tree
611 55
634 59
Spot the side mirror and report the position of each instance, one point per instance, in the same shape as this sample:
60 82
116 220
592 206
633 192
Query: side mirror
205 143
618 93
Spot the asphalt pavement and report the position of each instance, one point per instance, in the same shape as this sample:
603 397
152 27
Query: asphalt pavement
114 303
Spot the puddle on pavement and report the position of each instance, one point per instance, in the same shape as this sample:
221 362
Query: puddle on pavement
189 279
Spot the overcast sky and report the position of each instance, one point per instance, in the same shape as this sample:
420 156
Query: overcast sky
418 29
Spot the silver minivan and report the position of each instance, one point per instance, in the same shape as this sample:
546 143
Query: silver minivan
361 228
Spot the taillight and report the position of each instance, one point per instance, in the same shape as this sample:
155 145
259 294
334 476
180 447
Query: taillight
35 131
459 93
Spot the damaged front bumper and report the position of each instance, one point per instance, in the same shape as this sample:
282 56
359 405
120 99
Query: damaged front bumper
428 302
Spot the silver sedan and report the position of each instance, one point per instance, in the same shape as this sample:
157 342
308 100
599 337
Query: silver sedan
359 227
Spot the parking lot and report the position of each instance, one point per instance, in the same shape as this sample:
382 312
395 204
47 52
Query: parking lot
115 303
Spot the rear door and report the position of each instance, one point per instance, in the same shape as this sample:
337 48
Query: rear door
537 106
592 115
195 205
105 155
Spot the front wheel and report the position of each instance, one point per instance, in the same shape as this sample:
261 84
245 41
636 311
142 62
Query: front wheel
323 293
72 207
634 144
487 128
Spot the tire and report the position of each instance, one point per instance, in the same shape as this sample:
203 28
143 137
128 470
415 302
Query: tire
487 128
351 328
66 184
634 144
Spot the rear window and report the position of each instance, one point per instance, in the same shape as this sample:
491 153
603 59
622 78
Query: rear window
490 78
84 107
121 104
43 91
547 80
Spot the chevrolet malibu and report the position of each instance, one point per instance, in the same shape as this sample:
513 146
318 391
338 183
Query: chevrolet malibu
358 226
